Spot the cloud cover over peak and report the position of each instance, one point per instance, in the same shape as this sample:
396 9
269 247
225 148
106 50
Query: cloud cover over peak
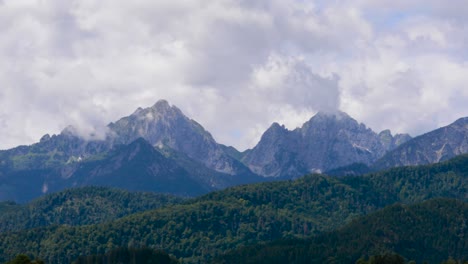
234 66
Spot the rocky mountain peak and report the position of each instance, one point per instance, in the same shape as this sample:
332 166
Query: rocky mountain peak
45 138
275 129
161 110
331 115
137 111
330 119
328 140
276 126
385 133
164 125
161 105
329 124
158 124
386 138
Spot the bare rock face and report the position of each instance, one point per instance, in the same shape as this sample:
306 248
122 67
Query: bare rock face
390 142
166 126
276 154
326 141
438 145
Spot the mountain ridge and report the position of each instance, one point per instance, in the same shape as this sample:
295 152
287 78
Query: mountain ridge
434 146
64 160
327 141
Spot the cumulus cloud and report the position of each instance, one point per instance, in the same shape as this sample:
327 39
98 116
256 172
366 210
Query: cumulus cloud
234 66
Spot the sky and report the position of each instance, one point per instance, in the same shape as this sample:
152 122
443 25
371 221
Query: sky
234 66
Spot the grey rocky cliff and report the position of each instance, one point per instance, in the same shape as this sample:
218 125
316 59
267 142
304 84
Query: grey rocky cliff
326 141
275 155
438 145
390 142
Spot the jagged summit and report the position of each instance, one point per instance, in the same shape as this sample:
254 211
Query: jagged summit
277 127
161 104
164 125
337 115
330 120
318 118
386 132
328 140
158 124
137 111
45 138
160 110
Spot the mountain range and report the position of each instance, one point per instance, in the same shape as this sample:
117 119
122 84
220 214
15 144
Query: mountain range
327 141
160 149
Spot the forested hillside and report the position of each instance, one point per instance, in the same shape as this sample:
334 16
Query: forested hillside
80 206
203 228
431 232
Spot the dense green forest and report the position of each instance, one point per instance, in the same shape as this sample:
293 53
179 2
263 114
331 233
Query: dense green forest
430 232
24 259
79 206
209 226
8 206
129 256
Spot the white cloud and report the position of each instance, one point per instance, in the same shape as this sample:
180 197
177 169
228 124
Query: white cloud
234 66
